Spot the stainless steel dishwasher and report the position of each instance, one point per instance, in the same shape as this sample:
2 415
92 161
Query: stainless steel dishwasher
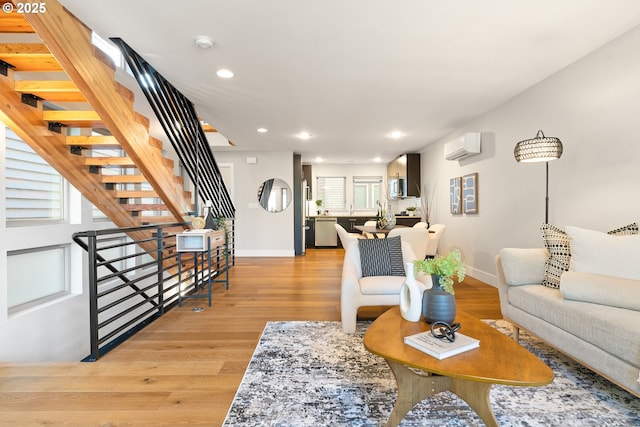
326 234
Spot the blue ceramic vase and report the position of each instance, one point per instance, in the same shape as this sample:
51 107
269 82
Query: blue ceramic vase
438 304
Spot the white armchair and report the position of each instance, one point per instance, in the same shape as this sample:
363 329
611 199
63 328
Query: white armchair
358 291
435 233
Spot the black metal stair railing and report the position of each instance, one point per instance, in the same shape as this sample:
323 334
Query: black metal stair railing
130 287
179 120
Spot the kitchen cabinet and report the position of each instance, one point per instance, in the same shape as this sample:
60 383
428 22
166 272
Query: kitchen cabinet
403 176
408 221
348 222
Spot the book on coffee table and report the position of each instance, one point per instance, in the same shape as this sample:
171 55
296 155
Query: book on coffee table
440 349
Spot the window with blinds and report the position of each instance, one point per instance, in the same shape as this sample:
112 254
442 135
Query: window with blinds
366 191
34 190
331 190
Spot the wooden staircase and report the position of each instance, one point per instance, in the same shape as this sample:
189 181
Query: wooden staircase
60 96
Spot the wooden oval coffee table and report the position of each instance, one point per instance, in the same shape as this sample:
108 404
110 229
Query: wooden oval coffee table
498 360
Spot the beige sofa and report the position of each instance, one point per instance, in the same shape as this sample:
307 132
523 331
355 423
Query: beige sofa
592 318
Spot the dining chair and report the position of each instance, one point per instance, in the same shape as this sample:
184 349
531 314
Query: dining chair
416 237
346 237
435 233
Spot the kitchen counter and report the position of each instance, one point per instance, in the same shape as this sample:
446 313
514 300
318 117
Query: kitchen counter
348 222
343 216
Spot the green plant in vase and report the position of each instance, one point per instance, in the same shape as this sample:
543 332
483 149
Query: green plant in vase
445 267
411 210
319 205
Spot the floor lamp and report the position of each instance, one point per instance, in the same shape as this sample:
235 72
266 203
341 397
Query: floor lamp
539 149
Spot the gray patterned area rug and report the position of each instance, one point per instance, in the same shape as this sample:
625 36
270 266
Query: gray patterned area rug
311 374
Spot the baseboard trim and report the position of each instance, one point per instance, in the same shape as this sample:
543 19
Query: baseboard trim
264 253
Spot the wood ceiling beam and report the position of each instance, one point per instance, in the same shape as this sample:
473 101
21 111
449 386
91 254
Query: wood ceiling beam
70 42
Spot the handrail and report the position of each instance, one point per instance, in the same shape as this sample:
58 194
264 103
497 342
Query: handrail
130 287
178 117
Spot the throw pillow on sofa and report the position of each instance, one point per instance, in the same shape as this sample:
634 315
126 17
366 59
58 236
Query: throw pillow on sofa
600 253
558 244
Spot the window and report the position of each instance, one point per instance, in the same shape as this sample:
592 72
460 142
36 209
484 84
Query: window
34 190
366 191
331 190
45 283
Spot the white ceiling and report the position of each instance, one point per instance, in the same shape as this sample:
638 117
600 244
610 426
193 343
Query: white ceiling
351 71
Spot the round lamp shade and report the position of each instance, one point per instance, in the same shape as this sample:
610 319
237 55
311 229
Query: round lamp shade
538 149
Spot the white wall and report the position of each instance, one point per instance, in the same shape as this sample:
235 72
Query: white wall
593 106
258 232
57 330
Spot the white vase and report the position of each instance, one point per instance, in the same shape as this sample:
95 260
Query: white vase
411 295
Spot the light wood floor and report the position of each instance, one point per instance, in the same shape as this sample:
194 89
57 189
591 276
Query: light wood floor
184 369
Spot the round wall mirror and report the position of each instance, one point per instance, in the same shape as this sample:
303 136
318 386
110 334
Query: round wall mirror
274 195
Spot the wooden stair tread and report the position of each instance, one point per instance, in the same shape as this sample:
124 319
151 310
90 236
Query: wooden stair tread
157 219
123 179
29 57
129 194
71 118
14 22
51 90
92 141
109 161
138 207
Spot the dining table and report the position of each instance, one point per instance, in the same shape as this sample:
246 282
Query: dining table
375 231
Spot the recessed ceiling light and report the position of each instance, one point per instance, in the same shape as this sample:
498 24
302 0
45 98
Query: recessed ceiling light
304 135
204 42
377 159
224 73
262 130
396 134
319 159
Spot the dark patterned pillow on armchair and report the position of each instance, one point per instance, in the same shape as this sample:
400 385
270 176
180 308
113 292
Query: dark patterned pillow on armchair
381 257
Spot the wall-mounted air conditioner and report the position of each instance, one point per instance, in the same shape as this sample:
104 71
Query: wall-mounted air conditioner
463 147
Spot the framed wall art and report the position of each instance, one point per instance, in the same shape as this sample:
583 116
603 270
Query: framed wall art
455 195
470 193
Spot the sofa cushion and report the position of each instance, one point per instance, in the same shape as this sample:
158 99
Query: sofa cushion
381 257
558 244
601 325
600 253
381 285
600 289
523 266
